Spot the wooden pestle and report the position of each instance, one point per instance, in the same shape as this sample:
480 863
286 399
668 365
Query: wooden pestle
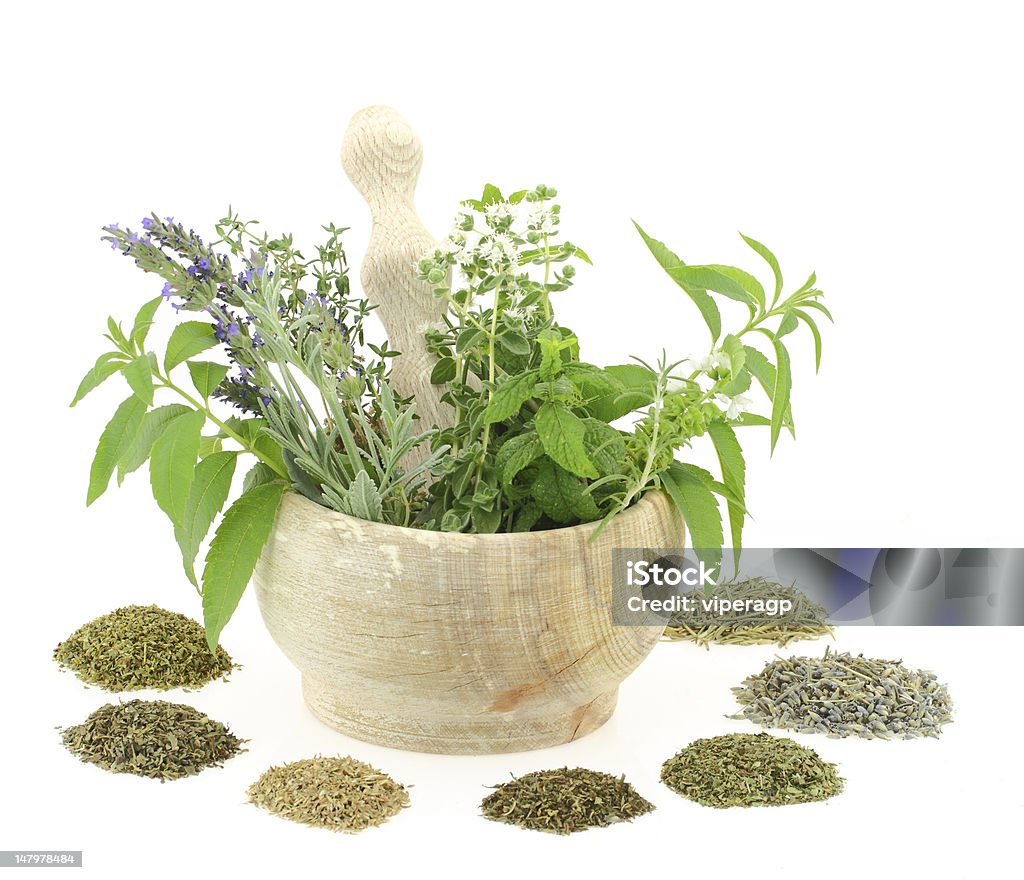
382 156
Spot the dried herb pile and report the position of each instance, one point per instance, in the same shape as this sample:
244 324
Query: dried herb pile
750 770
842 695
341 794
804 620
142 646
151 738
564 801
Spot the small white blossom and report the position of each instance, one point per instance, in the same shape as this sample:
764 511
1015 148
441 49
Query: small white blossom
543 221
499 210
717 359
733 407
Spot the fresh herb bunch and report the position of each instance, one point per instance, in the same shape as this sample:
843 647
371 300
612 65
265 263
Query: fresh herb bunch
317 414
532 444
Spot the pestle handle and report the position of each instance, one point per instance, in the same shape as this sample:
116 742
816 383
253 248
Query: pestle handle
382 157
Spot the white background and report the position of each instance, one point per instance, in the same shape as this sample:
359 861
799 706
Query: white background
879 144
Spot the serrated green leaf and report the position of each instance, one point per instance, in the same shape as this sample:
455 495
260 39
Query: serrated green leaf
561 433
206 496
751 420
704 301
153 424
172 463
689 489
769 258
783 384
206 376
709 278
730 458
813 327
261 473
638 384
605 446
140 378
444 371
745 280
561 495
737 354
144 320
187 340
209 444
106 365
764 371
510 395
233 553
116 438
515 454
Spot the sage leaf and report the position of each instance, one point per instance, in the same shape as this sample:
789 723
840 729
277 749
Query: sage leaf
116 438
234 551
139 376
689 489
188 340
730 458
106 365
172 463
153 424
509 395
562 433
206 376
144 320
211 483
704 302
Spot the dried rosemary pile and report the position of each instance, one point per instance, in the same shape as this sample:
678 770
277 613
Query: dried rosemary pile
341 794
842 695
142 646
805 618
750 770
151 738
564 801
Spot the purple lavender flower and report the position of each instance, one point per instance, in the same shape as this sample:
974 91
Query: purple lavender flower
204 264
147 222
168 290
233 329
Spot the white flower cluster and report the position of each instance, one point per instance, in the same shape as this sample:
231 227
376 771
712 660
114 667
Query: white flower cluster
710 368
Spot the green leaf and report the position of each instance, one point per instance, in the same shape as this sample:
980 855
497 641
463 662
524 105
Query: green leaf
514 343
510 395
188 340
139 376
233 554
638 384
730 457
206 376
605 446
704 302
106 365
444 371
153 424
689 489
206 496
172 463
561 433
117 335
751 420
561 495
813 327
814 304
744 279
491 195
764 371
709 278
515 454
592 381
783 384
737 354
551 345
261 473
116 438
144 320
769 258
209 444
787 325
362 499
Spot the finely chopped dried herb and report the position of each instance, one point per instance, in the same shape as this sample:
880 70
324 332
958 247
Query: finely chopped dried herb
842 695
151 738
750 770
341 794
564 801
805 618
142 646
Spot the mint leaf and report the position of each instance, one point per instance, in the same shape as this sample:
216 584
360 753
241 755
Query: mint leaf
561 495
509 396
561 433
515 454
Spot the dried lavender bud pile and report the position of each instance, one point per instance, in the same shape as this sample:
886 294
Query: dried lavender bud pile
564 801
151 738
842 695
142 646
805 619
750 770
341 794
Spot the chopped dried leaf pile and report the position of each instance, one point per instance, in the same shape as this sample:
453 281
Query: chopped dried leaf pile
341 794
151 738
564 801
750 770
805 618
842 695
142 646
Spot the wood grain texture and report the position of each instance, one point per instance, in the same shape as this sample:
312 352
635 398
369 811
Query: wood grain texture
382 156
455 643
